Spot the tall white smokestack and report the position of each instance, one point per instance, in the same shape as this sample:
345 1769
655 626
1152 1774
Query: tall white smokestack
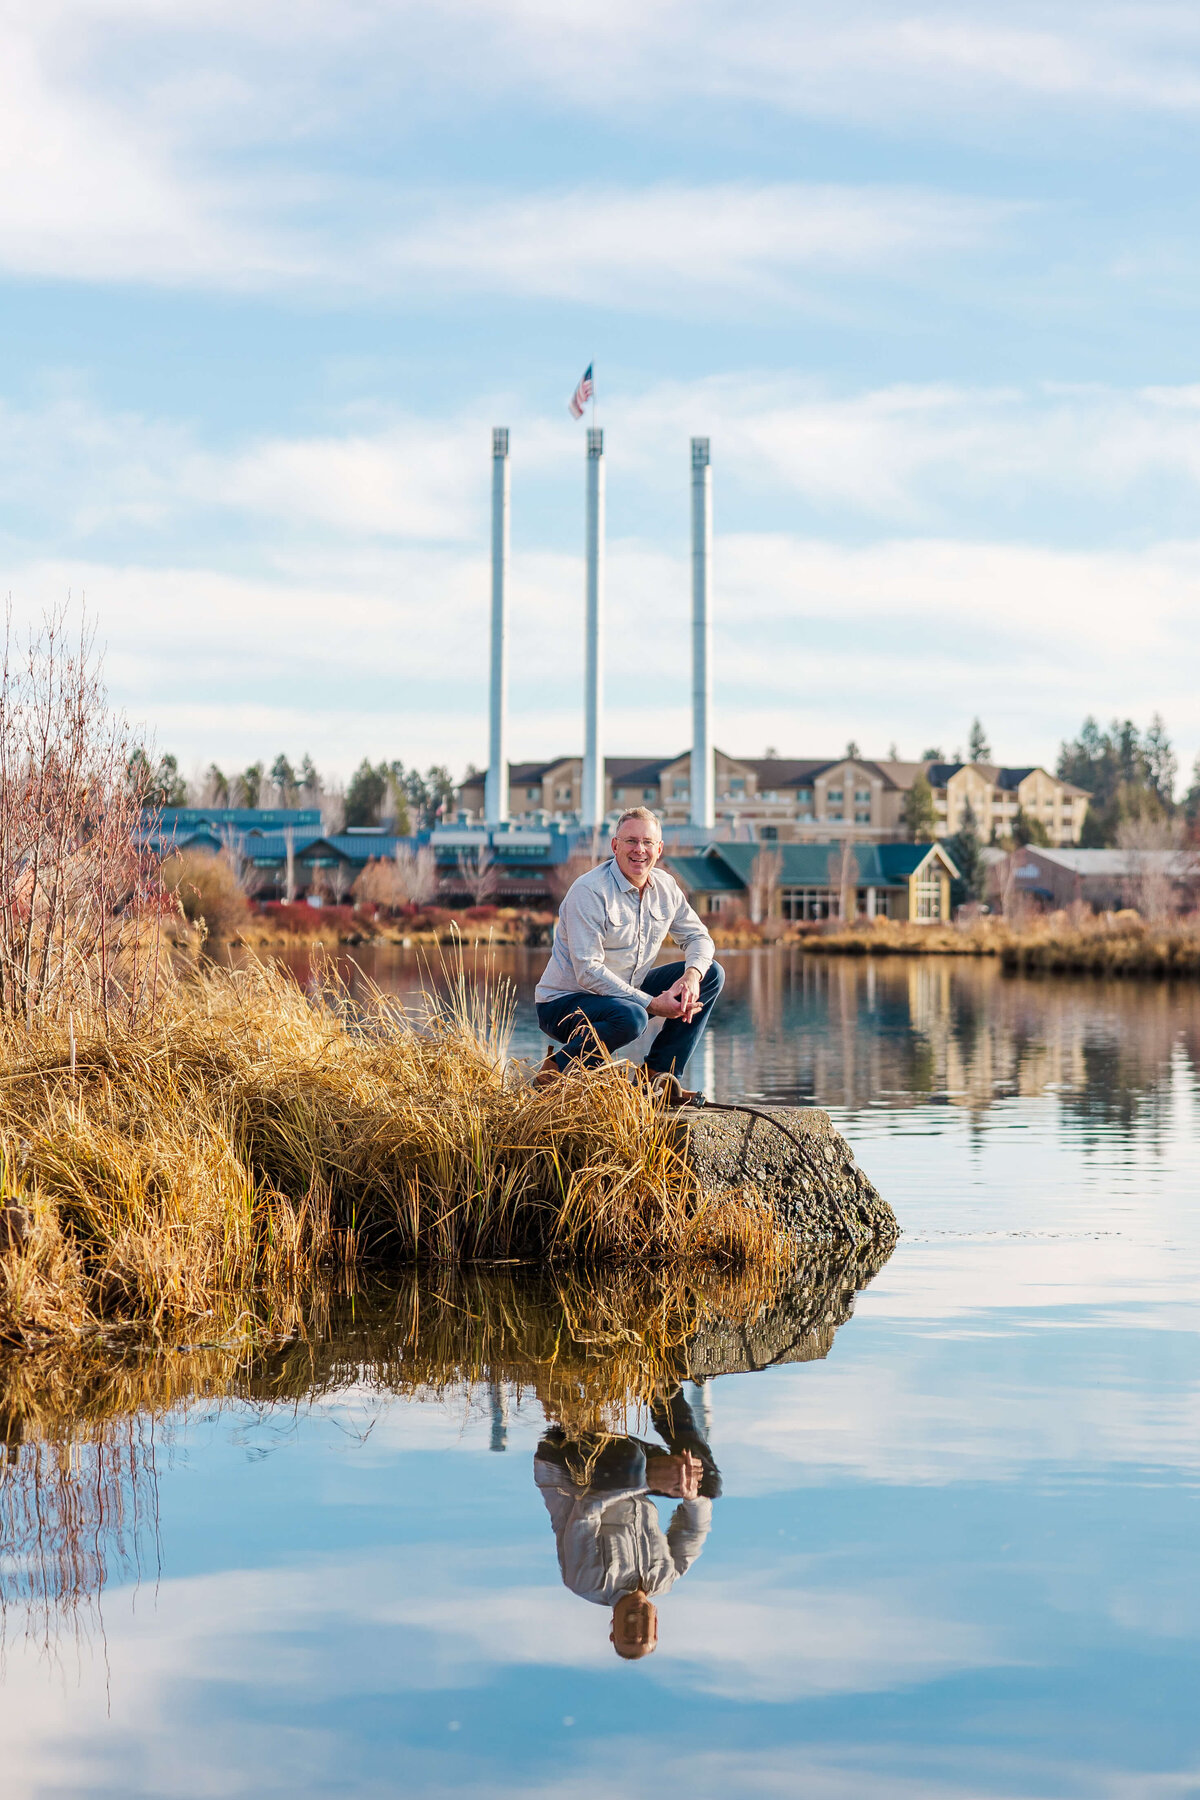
703 771
593 680
496 788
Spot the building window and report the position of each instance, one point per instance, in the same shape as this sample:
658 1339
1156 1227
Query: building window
647 793
929 894
737 786
808 903
533 793
770 833
679 791
834 796
862 796
618 793
835 817
862 818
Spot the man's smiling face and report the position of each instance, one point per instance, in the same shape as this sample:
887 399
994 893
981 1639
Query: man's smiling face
637 847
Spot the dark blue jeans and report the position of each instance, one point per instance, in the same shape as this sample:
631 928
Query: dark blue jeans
581 1023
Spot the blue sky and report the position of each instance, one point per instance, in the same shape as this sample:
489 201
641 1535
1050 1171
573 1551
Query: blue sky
925 274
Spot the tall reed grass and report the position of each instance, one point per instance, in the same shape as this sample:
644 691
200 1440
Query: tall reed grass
253 1136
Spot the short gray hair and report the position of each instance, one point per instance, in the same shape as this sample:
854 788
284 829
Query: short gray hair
638 812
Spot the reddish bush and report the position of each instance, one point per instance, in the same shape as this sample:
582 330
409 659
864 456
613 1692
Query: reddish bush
477 914
302 920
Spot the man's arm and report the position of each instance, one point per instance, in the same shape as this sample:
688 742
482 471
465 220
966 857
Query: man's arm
581 921
687 1531
698 948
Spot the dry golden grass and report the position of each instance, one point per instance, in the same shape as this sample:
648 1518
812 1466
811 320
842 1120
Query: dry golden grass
1079 941
256 1137
897 937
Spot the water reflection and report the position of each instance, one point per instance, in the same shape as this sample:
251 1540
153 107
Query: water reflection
83 1427
600 1493
898 1033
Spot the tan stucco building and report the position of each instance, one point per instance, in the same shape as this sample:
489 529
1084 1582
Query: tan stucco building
799 800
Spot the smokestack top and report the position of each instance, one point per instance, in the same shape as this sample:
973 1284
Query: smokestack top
595 443
500 440
700 457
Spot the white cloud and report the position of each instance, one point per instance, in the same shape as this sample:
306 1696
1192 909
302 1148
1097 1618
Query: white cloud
675 245
344 608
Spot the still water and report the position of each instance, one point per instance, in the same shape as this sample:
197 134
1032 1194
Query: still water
948 1546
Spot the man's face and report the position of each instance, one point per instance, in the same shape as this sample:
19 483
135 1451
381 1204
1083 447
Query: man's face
637 847
634 1626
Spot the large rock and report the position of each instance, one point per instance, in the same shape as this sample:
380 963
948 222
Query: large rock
798 1162
798 1325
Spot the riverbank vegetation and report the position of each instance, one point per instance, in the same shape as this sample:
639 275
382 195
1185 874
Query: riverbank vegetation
84 1418
1076 942
248 1137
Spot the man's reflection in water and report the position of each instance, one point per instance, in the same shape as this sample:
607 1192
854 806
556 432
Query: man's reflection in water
599 1494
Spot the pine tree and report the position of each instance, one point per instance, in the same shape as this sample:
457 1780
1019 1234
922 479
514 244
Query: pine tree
978 748
966 852
920 813
365 793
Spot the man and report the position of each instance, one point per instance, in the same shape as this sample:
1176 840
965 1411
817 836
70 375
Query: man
612 1548
601 982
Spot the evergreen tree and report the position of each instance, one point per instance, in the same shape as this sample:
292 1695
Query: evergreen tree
248 786
310 781
284 777
401 817
966 852
933 755
852 750
1128 775
978 748
1191 800
1029 831
156 784
366 793
920 813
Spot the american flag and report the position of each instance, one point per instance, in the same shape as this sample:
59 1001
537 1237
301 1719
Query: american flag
582 394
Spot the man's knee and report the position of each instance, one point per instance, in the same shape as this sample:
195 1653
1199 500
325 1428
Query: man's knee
624 1021
712 981
618 1022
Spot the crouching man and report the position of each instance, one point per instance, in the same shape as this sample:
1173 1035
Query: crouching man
601 982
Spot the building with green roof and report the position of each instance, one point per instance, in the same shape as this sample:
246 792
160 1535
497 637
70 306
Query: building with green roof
819 881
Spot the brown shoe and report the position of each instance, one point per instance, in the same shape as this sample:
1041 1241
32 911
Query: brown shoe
549 1072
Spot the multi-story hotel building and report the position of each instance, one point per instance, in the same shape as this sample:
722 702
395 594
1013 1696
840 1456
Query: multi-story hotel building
798 800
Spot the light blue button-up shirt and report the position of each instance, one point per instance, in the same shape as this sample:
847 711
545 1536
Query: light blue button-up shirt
609 934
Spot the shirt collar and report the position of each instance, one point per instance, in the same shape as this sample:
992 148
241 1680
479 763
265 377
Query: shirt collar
624 882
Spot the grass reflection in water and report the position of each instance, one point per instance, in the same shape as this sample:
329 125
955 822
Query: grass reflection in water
81 1424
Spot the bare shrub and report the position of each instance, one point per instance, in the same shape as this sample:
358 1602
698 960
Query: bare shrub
843 878
478 874
79 925
765 871
563 876
1152 845
418 871
207 889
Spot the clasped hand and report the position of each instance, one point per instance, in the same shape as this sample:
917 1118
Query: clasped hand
680 1001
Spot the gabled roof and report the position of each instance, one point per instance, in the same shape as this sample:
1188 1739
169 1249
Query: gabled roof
774 772
636 771
819 865
704 874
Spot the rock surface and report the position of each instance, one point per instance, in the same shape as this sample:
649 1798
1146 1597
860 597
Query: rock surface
813 1183
799 1326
